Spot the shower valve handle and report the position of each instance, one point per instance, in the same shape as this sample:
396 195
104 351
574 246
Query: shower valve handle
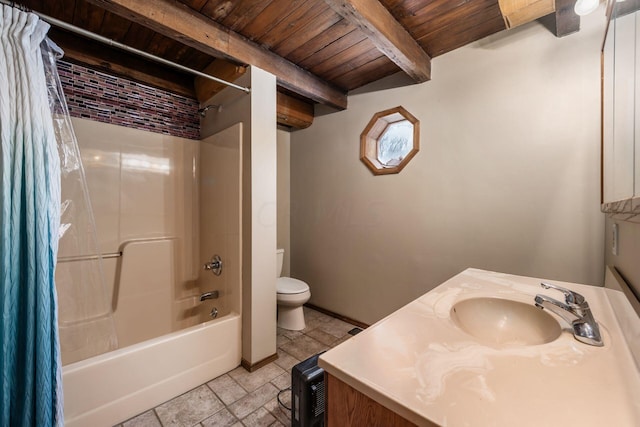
215 265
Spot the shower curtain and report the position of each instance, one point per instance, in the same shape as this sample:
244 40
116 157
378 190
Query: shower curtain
30 393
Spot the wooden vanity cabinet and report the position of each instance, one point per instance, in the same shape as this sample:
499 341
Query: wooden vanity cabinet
347 407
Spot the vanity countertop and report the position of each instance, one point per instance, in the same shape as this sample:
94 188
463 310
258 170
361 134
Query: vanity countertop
419 364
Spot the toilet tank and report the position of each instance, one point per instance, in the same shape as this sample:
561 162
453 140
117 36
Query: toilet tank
279 260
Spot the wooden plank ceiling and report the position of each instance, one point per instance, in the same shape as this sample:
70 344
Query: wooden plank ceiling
318 49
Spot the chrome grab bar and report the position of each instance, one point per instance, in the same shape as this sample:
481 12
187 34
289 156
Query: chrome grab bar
110 254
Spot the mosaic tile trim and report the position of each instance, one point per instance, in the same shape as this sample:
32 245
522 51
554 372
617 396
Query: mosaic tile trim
102 97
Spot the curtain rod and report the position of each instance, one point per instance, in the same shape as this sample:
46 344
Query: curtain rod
110 42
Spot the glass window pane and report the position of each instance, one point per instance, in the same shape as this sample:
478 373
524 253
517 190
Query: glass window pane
395 143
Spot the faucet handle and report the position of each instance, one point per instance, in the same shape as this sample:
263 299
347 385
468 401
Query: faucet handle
570 297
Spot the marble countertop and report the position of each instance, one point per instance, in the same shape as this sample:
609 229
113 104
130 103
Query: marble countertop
419 364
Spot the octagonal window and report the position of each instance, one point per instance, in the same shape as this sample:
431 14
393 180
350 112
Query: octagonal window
389 141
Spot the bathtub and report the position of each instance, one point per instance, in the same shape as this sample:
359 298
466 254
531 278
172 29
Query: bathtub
113 387
157 223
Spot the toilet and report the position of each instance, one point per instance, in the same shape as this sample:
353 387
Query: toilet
291 295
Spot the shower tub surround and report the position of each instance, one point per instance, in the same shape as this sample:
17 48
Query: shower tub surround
425 369
165 204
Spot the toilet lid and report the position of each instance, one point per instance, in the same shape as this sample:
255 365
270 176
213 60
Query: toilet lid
289 285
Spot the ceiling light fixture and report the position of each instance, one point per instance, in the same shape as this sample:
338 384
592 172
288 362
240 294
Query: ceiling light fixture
585 7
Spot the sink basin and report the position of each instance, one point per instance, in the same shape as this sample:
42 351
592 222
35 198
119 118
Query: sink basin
505 323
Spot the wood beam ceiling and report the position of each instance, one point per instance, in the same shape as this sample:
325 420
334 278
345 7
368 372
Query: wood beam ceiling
518 12
97 55
293 112
221 69
179 22
387 34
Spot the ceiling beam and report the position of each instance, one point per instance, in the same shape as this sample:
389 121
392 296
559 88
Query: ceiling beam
177 21
564 21
518 12
225 70
387 34
113 61
293 112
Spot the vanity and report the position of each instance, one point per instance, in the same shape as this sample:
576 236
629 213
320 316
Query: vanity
475 351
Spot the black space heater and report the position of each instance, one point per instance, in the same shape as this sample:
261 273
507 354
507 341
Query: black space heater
307 394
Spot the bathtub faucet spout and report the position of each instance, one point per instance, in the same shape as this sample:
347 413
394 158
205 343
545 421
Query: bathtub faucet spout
209 295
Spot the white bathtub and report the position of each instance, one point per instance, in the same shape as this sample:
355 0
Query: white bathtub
108 389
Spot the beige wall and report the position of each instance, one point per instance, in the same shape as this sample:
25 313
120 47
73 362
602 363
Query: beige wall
257 112
507 177
627 262
284 181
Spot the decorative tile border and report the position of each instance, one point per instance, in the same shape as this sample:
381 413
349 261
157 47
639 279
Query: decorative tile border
98 96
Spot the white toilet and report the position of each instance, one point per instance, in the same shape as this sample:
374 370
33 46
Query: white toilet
292 293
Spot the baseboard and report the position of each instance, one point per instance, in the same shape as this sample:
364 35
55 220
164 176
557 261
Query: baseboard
255 366
338 316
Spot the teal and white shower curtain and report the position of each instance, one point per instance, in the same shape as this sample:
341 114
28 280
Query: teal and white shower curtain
31 385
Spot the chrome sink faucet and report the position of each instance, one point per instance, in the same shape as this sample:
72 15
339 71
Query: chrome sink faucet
575 310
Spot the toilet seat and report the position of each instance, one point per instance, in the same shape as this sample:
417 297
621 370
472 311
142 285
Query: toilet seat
289 285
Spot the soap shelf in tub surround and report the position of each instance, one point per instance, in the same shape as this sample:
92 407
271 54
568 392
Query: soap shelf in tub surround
422 366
